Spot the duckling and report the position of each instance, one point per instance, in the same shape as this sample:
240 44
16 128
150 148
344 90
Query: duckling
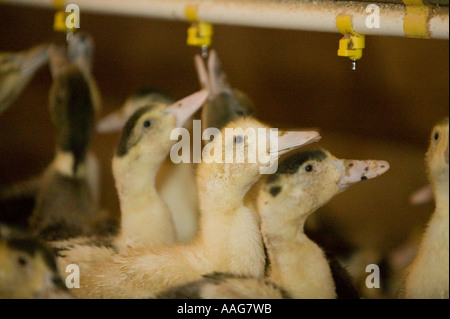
427 277
229 239
173 181
28 268
296 267
144 145
16 71
65 205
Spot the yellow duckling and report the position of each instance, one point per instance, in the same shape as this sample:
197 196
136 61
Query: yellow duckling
229 239
427 277
144 145
296 267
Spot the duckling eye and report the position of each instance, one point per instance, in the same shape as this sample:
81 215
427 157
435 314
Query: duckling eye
147 123
309 168
238 139
22 261
436 136
240 113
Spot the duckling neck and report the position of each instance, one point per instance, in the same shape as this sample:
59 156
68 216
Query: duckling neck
296 263
64 164
145 218
441 191
229 232
428 275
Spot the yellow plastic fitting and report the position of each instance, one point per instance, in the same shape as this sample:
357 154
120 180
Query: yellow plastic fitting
59 21
200 32
352 44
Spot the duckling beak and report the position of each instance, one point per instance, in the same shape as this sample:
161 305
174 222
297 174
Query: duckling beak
185 108
33 60
353 171
201 72
290 140
218 80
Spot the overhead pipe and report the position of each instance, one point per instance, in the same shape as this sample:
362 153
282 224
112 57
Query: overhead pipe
307 15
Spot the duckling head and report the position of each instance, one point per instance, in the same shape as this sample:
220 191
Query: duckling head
28 270
72 106
116 120
307 180
146 135
224 104
437 157
80 51
241 152
17 69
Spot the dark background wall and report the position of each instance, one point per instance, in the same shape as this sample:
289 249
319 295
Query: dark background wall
385 109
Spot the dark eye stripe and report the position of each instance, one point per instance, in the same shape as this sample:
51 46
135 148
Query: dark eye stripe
123 147
291 164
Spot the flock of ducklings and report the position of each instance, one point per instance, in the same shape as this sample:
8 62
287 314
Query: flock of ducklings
206 230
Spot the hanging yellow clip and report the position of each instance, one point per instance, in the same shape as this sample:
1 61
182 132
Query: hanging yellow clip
352 44
200 32
59 21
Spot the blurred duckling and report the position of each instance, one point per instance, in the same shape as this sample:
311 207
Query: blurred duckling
225 104
28 268
427 277
229 239
296 267
65 206
80 51
16 71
